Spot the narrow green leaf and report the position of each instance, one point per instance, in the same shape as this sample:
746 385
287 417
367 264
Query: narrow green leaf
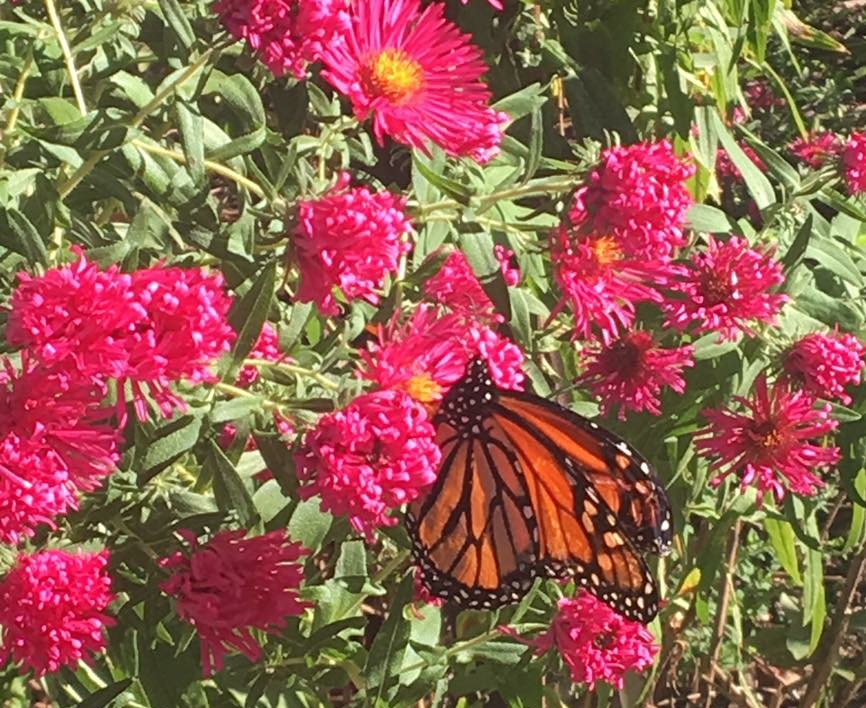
105 696
782 539
176 19
447 186
229 489
309 524
22 237
478 249
248 315
797 250
389 647
171 441
523 102
191 124
757 184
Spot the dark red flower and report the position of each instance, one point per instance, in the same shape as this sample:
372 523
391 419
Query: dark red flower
630 373
233 585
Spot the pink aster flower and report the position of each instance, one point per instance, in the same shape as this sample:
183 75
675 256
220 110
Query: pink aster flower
429 352
824 364
267 348
351 239
507 264
146 330
854 163
369 458
233 585
52 610
286 35
456 286
418 76
761 97
772 444
728 171
55 443
631 372
596 643
727 289
602 283
637 194
817 149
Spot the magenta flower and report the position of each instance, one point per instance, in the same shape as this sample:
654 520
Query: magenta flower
350 239
55 443
727 289
418 76
854 163
267 348
761 97
824 364
729 172
146 330
631 372
233 585
369 458
602 283
596 643
507 264
286 35
429 353
817 149
638 195
772 445
456 286
52 610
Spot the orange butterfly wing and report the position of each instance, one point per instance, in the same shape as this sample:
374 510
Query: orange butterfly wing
516 499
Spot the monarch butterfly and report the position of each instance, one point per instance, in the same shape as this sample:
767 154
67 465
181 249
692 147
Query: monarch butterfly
529 489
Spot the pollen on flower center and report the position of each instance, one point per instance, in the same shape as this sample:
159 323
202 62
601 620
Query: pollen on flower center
716 289
423 388
394 75
606 250
768 435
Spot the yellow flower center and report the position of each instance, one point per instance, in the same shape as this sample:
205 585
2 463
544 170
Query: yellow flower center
606 250
394 75
423 388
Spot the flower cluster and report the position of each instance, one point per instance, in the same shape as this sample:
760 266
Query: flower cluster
817 149
286 35
146 330
596 643
233 585
351 238
55 442
824 364
372 456
854 163
52 609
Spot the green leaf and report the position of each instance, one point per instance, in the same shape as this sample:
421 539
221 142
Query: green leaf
309 524
447 186
523 102
191 124
831 255
167 444
782 539
229 489
389 647
105 696
479 252
797 250
21 236
178 22
248 315
757 184
814 600
703 217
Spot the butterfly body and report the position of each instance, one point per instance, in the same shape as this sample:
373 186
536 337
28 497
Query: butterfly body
528 489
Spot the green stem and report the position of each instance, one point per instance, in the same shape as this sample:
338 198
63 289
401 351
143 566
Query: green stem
67 56
85 168
215 167
530 189
319 378
18 95
461 646
237 392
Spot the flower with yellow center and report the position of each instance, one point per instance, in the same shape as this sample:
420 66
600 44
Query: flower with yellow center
394 75
423 388
606 250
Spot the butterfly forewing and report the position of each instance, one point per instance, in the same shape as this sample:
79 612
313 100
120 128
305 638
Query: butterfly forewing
516 499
